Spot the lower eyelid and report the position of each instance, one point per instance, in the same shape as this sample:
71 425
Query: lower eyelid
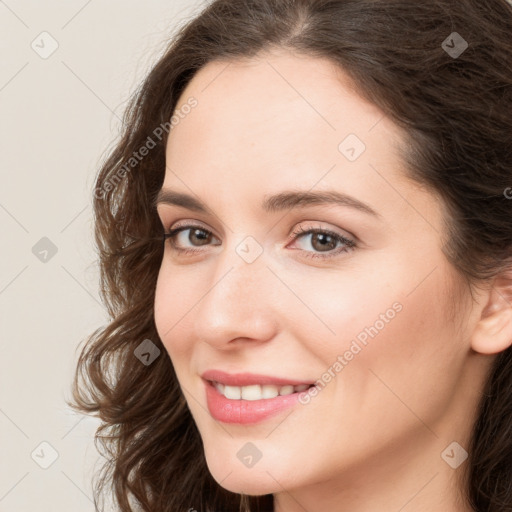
344 245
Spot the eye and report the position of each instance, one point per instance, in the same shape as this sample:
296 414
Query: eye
322 240
196 234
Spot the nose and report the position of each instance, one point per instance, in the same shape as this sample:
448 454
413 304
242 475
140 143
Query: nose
239 303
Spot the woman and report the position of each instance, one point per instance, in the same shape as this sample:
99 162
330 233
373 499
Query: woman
305 239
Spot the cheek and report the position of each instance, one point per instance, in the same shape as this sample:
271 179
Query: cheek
350 304
172 311
392 320
365 299
404 360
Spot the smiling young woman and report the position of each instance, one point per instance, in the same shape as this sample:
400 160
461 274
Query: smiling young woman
305 241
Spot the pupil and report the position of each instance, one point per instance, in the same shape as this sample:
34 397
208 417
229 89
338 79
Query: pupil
200 237
322 237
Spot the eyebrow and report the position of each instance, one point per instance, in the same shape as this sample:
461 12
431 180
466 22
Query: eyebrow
285 200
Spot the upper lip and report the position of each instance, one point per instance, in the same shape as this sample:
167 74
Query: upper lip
247 379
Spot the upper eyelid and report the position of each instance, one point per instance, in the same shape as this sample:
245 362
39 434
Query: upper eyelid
195 223
189 225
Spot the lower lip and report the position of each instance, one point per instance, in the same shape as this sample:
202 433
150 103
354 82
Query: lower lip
246 411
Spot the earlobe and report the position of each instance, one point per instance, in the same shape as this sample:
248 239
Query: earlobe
493 332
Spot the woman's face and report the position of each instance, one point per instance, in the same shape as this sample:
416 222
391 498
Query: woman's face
369 320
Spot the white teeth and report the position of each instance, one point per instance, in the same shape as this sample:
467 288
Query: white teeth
233 392
251 392
269 391
286 390
257 392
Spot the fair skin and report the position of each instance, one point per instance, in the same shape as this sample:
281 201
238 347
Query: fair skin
372 438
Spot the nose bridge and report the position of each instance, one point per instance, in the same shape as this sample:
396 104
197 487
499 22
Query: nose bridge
238 302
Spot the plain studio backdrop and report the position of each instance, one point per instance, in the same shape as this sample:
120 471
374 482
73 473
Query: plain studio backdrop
67 70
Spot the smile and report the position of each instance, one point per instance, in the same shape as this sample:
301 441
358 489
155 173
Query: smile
257 391
246 398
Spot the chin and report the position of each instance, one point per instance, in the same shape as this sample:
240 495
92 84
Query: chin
242 480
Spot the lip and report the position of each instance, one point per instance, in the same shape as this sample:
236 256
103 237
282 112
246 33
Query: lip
247 379
246 412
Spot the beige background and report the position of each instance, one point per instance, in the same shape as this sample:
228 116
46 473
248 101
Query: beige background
57 117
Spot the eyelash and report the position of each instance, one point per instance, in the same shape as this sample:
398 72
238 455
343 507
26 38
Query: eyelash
348 243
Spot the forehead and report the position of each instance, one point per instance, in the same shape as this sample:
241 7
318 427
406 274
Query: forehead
272 102
265 124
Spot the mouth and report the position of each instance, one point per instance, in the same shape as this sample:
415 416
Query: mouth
257 391
245 398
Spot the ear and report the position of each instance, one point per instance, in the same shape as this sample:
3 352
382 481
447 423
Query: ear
493 332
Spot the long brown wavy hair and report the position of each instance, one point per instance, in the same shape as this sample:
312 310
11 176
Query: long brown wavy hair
457 113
